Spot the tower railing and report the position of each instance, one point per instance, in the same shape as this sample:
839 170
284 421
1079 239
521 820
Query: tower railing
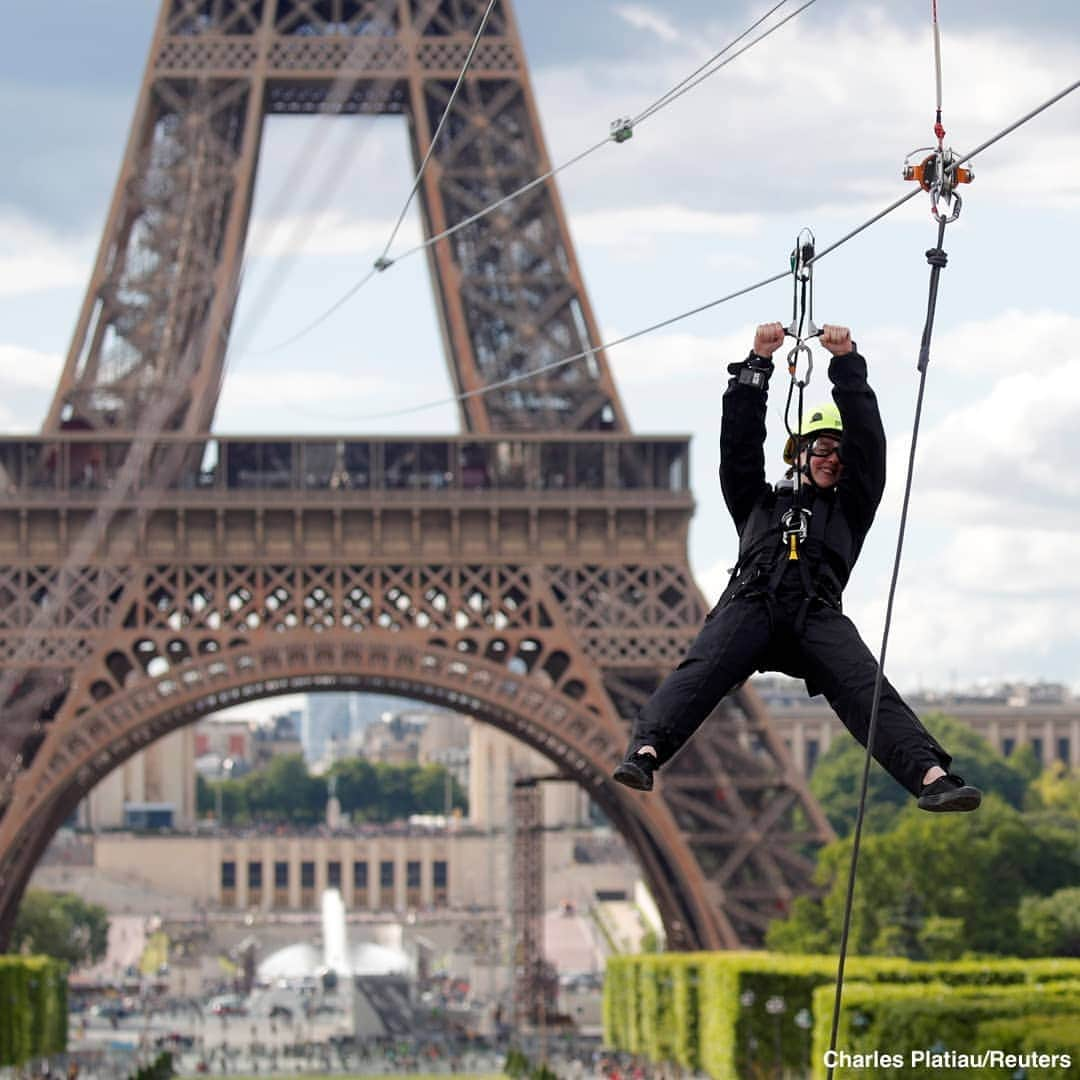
81 466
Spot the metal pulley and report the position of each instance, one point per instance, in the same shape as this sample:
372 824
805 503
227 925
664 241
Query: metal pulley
938 173
802 303
802 326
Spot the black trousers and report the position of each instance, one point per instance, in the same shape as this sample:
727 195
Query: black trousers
754 633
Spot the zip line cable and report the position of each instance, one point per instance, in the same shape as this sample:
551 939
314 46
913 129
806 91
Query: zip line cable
353 290
650 110
383 262
959 161
337 95
663 103
945 175
334 101
438 130
936 258
664 98
89 536
865 225
585 353
1018 123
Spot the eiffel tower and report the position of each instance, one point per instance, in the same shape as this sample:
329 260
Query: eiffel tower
531 572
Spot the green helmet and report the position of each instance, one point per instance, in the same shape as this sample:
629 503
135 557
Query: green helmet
820 419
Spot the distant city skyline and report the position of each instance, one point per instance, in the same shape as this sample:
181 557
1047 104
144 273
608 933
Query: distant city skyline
324 716
264 709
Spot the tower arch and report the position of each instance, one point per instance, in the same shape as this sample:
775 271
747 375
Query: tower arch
141 556
582 744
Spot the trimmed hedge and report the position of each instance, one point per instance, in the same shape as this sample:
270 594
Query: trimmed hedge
708 1011
33 1008
898 1020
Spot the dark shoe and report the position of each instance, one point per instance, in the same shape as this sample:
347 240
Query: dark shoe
636 772
949 793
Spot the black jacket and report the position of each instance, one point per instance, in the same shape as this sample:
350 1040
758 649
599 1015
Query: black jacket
840 516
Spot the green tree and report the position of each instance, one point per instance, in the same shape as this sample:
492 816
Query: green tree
61 925
285 791
357 786
258 799
429 785
1057 789
288 792
234 801
395 791
1024 761
204 796
935 885
1051 924
838 776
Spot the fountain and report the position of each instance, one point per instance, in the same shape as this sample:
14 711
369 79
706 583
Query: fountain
303 962
334 934
369 983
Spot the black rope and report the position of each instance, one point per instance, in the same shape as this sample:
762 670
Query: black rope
937 258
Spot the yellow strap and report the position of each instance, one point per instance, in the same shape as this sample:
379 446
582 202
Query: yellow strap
793 550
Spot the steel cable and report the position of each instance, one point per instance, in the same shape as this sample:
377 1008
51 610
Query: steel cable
730 296
384 262
924 356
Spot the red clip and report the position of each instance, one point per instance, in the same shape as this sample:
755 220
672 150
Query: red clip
939 131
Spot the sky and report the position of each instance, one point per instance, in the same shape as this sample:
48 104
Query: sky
809 129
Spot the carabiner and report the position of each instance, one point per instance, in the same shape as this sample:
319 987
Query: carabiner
794 534
793 363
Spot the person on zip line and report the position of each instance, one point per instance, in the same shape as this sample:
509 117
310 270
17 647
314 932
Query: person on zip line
781 611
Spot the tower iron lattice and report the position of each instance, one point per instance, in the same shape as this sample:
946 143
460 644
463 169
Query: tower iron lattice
532 572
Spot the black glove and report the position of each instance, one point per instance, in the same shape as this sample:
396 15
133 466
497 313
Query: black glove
754 371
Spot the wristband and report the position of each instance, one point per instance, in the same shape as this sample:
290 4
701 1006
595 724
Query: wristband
755 371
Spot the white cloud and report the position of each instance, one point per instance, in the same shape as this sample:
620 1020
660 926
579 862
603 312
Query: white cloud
784 127
674 357
643 18
306 388
990 582
939 631
1013 341
25 368
785 133
641 226
33 259
1013 560
1011 451
328 232
999 442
